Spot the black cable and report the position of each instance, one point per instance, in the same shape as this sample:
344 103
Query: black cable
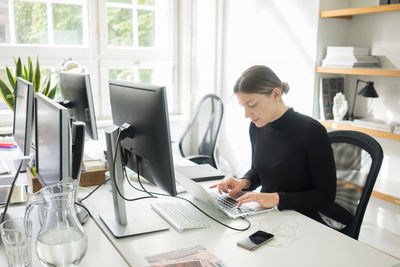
11 192
98 186
194 205
83 206
113 170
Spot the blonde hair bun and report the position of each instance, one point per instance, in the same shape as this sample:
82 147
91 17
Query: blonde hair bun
285 87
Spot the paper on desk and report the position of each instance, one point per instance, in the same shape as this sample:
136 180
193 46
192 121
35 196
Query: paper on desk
189 257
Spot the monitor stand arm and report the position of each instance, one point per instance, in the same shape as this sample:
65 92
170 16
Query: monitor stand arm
78 145
120 225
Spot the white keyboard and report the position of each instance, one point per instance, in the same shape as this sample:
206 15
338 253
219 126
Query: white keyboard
4 168
181 216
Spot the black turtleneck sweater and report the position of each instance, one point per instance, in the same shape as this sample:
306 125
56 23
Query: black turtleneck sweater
293 156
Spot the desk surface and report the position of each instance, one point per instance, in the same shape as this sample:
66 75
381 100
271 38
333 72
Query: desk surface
100 251
299 241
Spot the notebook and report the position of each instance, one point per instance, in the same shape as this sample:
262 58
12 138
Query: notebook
200 172
214 199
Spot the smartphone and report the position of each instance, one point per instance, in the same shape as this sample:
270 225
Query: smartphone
255 240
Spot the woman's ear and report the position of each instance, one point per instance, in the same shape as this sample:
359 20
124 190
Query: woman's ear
276 94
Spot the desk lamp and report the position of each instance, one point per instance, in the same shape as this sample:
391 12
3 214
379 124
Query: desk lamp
367 91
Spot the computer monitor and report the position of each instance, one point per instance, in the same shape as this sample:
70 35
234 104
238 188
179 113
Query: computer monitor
53 149
23 115
140 118
76 91
144 107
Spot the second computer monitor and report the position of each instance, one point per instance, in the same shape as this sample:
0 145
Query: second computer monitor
144 107
23 115
76 91
53 149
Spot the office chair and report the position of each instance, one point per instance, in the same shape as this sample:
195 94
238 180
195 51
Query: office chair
198 141
358 159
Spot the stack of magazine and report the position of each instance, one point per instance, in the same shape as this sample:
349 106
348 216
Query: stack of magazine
375 124
349 56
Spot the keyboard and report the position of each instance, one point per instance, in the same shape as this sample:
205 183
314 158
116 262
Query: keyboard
229 204
181 216
4 168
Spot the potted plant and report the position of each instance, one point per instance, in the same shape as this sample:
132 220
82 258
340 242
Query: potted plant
30 74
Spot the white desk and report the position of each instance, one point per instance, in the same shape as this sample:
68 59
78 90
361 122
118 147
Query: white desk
100 251
299 241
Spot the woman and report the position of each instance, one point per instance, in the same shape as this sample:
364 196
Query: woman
292 158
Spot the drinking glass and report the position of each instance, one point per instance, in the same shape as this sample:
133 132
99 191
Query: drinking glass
16 242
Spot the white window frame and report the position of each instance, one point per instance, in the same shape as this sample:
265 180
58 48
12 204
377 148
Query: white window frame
134 56
96 55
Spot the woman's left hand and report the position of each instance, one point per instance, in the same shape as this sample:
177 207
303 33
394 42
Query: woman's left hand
265 200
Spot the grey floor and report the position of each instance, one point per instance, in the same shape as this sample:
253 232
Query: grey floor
381 226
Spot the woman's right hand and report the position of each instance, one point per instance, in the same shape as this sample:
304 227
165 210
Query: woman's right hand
232 186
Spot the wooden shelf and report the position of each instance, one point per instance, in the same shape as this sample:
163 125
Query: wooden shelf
359 71
348 126
349 12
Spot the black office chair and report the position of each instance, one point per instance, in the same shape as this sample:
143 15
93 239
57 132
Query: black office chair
198 142
358 159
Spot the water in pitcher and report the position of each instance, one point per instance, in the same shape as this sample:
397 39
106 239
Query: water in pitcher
61 246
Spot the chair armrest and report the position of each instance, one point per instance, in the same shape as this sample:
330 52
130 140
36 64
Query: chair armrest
199 159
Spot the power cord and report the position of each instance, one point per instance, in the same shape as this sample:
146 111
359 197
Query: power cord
114 180
11 192
152 194
194 205
94 190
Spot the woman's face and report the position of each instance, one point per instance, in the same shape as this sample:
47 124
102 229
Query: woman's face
259 108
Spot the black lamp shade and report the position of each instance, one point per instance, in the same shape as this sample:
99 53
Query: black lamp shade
368 90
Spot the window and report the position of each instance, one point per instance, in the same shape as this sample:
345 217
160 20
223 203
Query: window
136 44
113 39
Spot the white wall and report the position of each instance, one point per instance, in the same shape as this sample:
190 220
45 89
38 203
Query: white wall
281 34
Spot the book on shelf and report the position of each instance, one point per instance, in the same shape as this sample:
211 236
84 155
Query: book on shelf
396 128
375 124
341 56
329 87
347 50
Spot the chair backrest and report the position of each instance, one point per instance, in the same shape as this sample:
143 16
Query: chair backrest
358 159
201 134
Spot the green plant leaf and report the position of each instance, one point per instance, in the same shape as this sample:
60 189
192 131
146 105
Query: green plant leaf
25 73
37 77
18 68
30 70
7 94
46 89
11 78
52 92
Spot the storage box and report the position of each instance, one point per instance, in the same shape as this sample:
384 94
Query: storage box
87 179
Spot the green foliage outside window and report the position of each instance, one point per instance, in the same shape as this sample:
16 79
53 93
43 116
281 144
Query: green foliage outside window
146 20
120 31
30 22
67 24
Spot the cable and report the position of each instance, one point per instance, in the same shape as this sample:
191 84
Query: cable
11 192
113 171
83 206
194 205
98 186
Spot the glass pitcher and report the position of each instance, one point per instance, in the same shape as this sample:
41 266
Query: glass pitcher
61 240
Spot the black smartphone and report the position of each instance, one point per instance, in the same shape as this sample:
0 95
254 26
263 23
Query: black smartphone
255 240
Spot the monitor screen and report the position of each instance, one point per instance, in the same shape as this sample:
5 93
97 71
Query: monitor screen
23 115
145 108
76 91
53 153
